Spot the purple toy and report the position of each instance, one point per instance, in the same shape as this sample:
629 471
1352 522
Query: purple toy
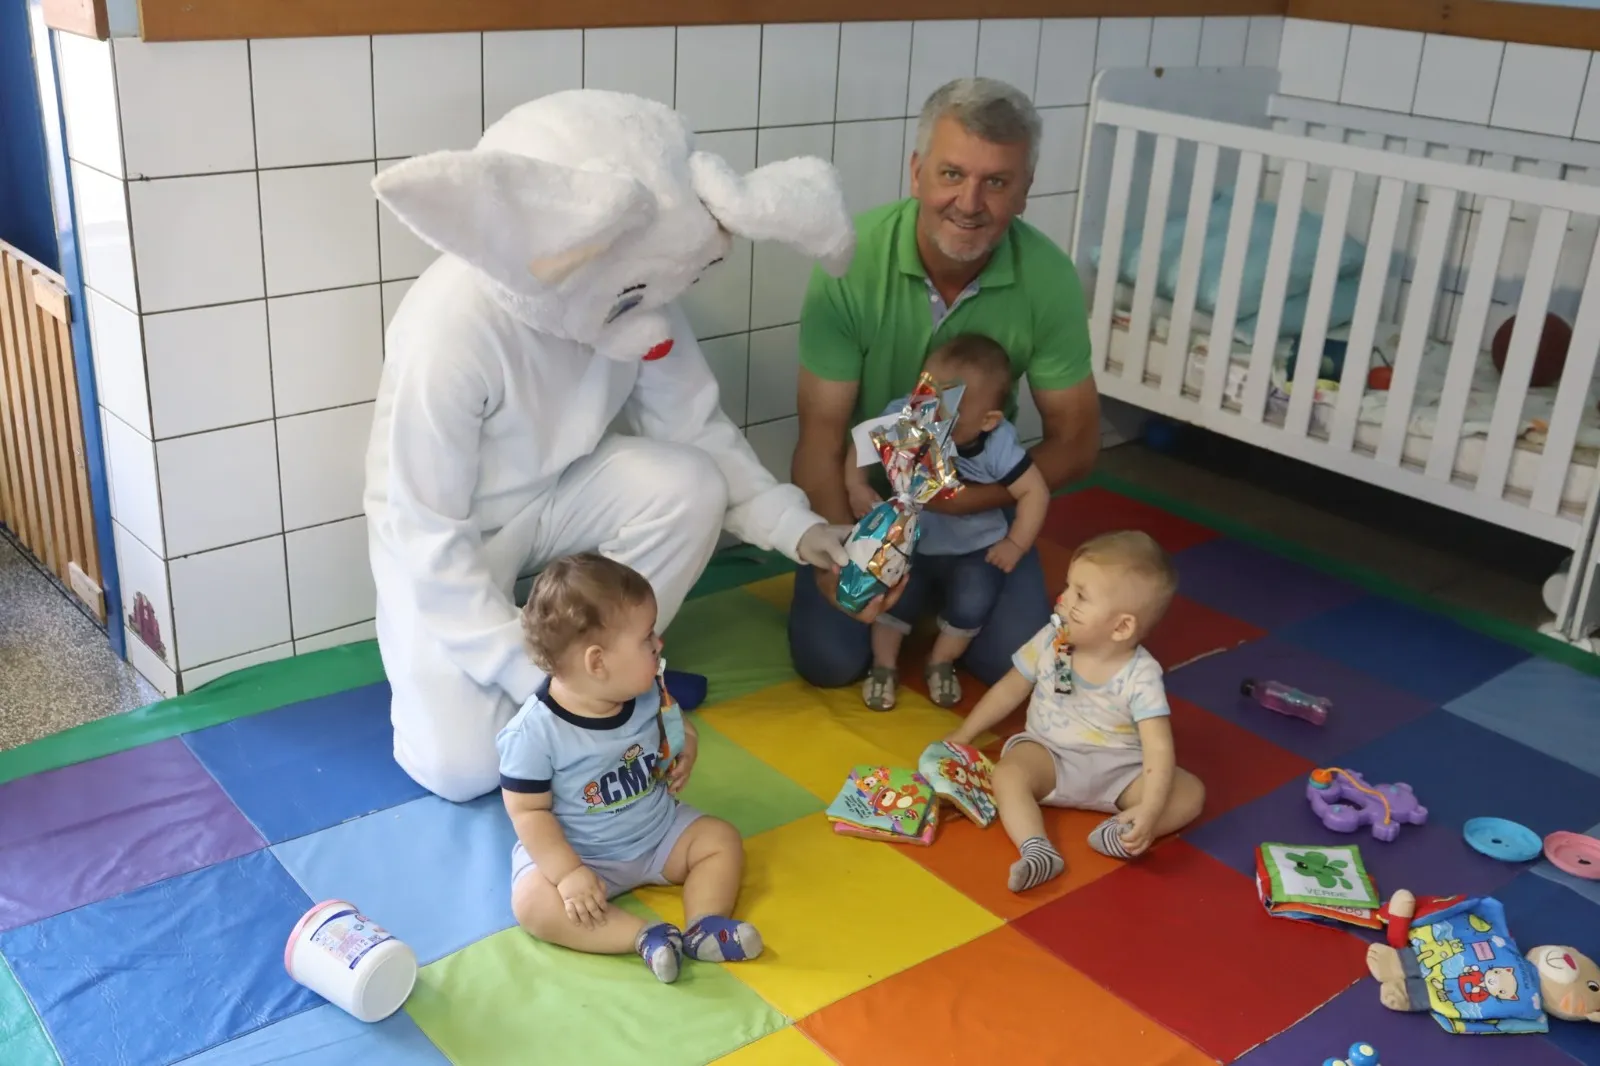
1345 802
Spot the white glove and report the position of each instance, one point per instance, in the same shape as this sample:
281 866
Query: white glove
822 546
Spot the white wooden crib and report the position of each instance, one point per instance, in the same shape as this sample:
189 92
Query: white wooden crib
1431 235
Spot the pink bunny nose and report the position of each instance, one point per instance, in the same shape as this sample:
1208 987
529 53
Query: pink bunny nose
658 351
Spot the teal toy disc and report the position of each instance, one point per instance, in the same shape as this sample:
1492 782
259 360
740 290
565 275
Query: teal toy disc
1503 840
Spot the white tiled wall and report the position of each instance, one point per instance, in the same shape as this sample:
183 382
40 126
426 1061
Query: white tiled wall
241 272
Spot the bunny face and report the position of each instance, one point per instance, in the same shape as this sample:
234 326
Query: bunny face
588 212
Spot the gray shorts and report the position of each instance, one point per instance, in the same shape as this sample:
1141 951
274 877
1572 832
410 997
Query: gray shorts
624 875
1089 779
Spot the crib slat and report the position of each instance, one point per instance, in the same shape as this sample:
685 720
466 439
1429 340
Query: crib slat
1506 423
1572 395
1274 290
1144 288
1481 276
1436 222
1220 346
1330 245
1364 325
1105 287
1408 214
1179 341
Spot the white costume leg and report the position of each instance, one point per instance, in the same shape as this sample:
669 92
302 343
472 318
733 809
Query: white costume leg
655 506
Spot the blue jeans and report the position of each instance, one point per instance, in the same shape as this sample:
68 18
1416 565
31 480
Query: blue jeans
830 649
965 587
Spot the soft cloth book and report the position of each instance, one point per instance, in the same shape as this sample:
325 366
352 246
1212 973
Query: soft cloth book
960 775
1323 884
885 803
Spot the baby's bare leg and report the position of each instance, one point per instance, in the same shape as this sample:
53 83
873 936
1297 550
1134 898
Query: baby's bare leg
708 860
540 911
1184 801
1023 776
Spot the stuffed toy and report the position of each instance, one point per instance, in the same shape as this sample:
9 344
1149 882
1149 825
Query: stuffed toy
543 394
1460 964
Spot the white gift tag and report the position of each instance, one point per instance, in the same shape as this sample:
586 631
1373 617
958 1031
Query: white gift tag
866 454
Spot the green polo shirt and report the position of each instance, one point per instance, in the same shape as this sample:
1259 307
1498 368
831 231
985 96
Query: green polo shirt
875 325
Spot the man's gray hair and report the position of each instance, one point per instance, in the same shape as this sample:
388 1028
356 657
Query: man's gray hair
987 108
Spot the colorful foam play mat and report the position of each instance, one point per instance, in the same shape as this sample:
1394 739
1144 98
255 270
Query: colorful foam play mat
152 865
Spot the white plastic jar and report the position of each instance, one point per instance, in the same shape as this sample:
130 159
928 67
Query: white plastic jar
350 961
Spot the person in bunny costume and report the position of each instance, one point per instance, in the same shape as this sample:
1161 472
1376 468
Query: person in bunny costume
543 394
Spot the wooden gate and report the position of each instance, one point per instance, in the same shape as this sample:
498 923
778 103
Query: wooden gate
44 478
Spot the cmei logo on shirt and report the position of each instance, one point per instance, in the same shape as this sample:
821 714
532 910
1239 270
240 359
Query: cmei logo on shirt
630 781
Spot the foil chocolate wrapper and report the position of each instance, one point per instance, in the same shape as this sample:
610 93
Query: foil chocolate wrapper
919 460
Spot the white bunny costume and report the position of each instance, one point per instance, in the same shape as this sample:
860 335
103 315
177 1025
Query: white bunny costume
568 232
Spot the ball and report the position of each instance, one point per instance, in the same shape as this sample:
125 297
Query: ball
1363 1055
1550 357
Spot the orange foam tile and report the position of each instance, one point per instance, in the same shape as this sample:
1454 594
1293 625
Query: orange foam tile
998 999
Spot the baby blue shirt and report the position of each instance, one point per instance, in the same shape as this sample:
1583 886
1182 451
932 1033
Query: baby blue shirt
599 772
995 458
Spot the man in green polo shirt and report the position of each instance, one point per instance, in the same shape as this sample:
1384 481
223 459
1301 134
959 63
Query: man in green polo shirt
953 258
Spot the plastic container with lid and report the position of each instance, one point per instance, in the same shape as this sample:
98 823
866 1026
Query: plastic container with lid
349 960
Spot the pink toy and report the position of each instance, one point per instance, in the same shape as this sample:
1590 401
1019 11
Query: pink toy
1345 802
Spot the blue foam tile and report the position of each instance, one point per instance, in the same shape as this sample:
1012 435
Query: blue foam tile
435 874
327 1036
1581 885
1416 650
309 765
1460 770
160 973
1543 704
1427 859
1255 586
1541 912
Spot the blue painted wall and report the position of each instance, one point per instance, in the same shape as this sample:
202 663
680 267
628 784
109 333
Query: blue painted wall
25 215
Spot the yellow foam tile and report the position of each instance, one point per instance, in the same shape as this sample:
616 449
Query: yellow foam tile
786 1047
791 728
837 914
914 723
778 591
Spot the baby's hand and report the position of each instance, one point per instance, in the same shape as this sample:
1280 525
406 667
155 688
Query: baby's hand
1004 555
585 896
1137 827
678 775
862 499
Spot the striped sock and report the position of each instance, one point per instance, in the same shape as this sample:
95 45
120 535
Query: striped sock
1106 838
661 948
1039 863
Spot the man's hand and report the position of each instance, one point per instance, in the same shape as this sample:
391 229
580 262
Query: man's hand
683 764
1004 555
822 547
863 498
1138 826
585 896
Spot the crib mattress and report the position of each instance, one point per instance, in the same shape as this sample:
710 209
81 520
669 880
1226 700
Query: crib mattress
1525 462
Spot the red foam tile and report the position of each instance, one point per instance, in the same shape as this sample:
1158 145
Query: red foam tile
1077 516
1190 630
1235 765
1184 939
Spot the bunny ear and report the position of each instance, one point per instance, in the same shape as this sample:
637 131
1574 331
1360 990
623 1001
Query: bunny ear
795 201
512 216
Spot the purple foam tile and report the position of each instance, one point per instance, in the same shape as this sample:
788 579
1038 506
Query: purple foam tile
1428 859
1399 1037
86 832
1363 708
1258 587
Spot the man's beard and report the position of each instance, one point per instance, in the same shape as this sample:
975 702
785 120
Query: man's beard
972 248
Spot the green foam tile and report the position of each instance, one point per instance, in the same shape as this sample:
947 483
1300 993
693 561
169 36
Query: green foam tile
22 1038
510 998
730 783
738 641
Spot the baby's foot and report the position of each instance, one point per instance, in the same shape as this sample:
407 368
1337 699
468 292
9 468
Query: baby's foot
717 939
1106 838
1039 863
877 691
661 948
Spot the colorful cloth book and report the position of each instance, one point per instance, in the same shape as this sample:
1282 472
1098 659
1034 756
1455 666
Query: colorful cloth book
960 775
1477 979
885 803
1326 885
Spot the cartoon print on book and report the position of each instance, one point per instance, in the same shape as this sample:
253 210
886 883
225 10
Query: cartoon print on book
1327 872
1477 986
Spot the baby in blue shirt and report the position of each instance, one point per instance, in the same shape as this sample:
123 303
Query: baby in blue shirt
590 770
961 558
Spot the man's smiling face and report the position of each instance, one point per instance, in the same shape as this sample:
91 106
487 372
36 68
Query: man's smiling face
969 190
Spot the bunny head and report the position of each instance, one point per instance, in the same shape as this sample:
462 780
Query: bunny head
588 211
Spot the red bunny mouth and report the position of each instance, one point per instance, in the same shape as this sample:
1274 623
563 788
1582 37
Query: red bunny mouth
658 351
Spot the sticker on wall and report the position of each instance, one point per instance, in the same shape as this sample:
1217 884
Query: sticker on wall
142 620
